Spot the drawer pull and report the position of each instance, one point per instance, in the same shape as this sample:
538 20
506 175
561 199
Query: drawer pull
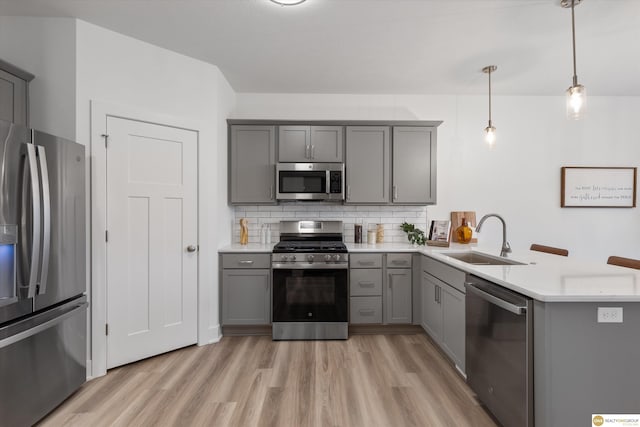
366 284
368 312
247 262
399 262
366 262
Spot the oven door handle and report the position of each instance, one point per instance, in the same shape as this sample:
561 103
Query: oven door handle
515 309
287 266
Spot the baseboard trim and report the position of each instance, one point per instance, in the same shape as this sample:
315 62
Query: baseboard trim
259 330
213 335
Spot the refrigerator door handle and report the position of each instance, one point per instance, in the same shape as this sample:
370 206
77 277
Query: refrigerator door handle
32 279
46 219
68 312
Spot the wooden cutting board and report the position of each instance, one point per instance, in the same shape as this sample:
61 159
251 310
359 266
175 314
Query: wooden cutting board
456 221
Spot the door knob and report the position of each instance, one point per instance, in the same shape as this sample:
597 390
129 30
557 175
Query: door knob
191 248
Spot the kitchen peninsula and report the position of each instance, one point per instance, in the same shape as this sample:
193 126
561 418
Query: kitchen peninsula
581 366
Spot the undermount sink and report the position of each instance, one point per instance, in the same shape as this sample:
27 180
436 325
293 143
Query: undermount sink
479 258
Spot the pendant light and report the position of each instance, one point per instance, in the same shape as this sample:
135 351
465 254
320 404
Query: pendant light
576 94
490 131
288 2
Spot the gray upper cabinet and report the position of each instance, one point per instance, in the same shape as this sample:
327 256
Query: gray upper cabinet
414 165
323 144
252 158
367 165
13 98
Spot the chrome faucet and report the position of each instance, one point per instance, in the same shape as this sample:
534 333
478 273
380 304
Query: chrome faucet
506 248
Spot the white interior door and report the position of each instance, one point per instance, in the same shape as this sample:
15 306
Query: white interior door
152 243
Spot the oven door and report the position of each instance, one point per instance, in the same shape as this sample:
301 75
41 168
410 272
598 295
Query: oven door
310 295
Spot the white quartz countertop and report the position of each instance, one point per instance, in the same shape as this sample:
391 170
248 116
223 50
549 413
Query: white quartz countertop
544 277
237 248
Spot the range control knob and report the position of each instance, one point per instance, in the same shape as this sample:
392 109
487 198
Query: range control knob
292 258
336 257
310 258
283 258
327 257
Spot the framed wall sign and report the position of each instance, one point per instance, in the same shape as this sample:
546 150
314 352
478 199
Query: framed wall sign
598 187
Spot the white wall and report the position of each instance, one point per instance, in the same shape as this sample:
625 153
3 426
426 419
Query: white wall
45 47
116 69
520 177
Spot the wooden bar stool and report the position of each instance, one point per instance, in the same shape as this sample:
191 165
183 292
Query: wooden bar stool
624 262
549 250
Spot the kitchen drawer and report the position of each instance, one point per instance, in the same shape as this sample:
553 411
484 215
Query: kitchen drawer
246 261
399 260
442 271
366 310
365 260
365 282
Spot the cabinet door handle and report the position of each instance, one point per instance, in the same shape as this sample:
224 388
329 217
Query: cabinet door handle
366 312
399 262
395 192
348 192
439 294
390 281
435 293
271 192
313 151
307 150
366 284
246 262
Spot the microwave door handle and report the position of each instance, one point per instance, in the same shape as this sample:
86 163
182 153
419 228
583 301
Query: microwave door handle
34 261
46 218
327 182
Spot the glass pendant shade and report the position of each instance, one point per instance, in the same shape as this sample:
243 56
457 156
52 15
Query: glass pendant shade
288 2
576 101
490 135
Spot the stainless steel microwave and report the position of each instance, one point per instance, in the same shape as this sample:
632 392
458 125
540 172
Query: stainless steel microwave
310 181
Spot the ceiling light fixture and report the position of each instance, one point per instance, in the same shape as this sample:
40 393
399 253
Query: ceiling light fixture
576 94
288 2
490 131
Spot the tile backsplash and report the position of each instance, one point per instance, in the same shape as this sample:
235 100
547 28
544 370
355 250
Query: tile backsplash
390 216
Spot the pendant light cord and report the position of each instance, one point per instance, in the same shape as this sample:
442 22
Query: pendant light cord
573 34
489 97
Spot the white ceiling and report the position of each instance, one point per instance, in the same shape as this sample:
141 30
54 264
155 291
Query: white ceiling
383 46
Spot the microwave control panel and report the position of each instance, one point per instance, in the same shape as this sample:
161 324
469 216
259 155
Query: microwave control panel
335 182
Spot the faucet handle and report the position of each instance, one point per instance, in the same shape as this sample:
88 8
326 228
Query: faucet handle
506 249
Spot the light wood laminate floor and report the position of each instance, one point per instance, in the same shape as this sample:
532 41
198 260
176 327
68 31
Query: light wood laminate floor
368 380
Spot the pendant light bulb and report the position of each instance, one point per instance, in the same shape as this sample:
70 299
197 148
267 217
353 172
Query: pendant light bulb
576 94
490 130
490 135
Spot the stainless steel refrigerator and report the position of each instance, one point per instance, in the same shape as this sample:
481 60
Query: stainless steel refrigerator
43 309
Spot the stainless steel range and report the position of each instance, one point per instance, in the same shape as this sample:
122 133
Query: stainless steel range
310 281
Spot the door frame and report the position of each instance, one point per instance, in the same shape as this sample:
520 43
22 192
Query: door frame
100 111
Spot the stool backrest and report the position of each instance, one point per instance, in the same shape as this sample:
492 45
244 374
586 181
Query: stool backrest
624 262
549 249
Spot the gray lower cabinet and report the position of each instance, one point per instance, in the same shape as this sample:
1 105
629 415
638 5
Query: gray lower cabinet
252 159
398 301
13 98
443 308
310 144
414 165
398 290
245 289
367 167
365 289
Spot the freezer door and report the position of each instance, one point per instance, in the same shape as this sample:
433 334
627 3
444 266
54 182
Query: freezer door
43 362
16 211
62 165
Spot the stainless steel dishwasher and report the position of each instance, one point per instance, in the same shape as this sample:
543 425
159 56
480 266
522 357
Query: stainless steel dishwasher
499 350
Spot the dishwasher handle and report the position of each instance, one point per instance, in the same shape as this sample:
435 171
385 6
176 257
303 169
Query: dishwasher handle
513 308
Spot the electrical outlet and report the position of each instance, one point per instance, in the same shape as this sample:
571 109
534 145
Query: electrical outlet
609 314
